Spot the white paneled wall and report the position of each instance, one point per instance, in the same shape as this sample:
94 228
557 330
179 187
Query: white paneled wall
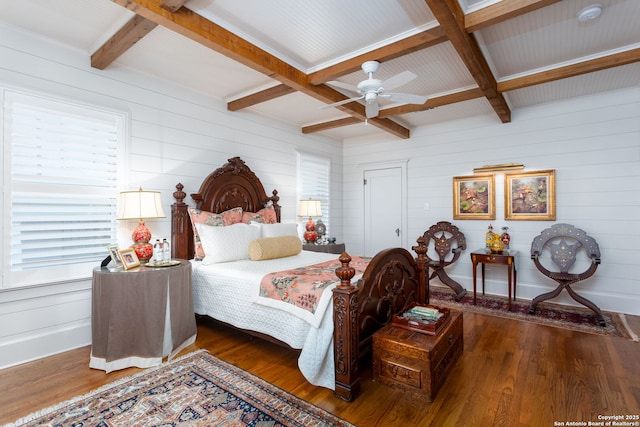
593 143
175 136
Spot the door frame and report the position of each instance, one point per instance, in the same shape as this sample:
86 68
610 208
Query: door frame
403 165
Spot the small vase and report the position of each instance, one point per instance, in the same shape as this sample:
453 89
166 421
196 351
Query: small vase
489 237
506 239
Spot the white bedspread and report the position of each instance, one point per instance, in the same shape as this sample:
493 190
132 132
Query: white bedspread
228 292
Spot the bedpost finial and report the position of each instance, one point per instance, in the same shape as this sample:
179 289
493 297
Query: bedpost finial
421 248
345 272
179 195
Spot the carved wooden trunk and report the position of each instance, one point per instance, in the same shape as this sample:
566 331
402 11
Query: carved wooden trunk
415 362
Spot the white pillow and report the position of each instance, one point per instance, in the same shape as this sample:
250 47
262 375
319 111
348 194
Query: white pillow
277 230
230 243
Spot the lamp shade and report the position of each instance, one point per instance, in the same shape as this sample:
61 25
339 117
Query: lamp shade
140 205
310 208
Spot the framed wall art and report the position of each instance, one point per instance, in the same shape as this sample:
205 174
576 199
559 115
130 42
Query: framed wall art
530 195
129 258
474 197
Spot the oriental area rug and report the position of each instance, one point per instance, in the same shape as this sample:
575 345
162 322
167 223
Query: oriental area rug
195 390
561 316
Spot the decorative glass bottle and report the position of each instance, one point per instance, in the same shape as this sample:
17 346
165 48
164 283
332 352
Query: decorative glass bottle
489 237
166 250
158 254
505 237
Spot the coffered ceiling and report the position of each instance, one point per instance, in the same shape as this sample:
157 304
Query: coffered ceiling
275 58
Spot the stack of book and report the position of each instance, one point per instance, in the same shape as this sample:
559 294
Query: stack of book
427 319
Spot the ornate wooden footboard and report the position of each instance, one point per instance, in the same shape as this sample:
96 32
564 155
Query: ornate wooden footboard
393 280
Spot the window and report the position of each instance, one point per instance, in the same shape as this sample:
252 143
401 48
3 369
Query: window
314 173
60 180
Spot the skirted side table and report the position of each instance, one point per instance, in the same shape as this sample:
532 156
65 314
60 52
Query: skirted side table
140 316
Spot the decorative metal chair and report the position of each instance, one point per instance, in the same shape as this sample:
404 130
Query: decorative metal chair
447 240
564 241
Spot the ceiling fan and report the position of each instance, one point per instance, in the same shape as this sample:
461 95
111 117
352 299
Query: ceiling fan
371 89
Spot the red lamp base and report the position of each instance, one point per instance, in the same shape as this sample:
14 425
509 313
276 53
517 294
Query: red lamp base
141 236
144 251
310 235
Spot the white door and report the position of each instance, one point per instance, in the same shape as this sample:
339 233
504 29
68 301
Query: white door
383 203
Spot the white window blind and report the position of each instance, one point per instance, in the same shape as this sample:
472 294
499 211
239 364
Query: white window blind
314 173
62 175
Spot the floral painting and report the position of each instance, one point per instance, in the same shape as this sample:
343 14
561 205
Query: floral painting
530 196
474 197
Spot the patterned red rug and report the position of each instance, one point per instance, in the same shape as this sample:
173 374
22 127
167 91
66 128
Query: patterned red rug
195 390
562 316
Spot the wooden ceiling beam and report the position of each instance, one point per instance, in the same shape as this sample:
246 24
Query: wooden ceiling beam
438 101
197 28
451 18
130 33
319 127
584 67
391 51
502 11
259 97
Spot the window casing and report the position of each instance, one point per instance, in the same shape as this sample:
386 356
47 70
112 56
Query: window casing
60 181
314 177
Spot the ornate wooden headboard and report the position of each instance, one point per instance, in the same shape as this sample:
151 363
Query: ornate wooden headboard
232 185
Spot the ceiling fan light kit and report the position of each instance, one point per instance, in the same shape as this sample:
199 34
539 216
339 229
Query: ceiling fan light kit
371 88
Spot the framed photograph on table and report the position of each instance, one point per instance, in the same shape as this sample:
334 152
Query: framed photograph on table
115 257
530 195
474 197
129 258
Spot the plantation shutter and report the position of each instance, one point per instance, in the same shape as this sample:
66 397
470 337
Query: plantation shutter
314 175
63 171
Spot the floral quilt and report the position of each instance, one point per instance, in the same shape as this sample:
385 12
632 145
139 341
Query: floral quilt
303 287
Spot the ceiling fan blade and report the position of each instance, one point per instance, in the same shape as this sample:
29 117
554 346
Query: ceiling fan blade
344 101
398 80
346 86
405 98
371 109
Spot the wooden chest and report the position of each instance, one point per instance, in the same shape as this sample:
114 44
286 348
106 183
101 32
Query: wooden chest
416 362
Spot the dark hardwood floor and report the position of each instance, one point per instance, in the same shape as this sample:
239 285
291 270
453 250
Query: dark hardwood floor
511 373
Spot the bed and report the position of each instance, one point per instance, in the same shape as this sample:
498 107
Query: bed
331 349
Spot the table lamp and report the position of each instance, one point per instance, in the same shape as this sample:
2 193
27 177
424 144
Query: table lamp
310 208
141 205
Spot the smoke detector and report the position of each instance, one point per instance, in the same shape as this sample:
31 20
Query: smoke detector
589 13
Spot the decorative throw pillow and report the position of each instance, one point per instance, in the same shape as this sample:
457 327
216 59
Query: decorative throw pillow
274 247
223 244
232 216
263 216
279 229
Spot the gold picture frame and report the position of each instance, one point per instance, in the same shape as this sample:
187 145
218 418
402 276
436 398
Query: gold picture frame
474 197
530 195
128 258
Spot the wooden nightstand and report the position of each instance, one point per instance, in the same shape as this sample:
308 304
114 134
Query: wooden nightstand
336 248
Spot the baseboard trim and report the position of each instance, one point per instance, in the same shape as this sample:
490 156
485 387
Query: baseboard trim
37 346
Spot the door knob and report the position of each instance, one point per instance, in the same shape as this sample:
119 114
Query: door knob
398 232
